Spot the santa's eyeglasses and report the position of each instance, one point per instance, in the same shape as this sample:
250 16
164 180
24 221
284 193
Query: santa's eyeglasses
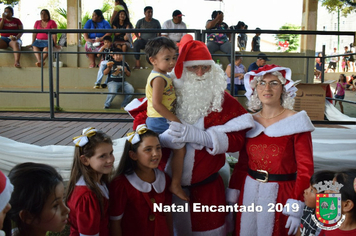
198 68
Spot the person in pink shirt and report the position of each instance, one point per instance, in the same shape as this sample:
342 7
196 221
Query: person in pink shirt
40 40
340 90
8 22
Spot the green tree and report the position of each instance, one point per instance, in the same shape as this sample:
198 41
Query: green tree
10 2
292 39
345 6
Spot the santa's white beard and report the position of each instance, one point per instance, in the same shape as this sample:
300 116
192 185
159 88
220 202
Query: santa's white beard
197 96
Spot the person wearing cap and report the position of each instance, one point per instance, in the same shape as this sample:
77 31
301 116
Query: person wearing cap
276 163
148 22
6 189
175 23
218 41
333 61
261 61
213 123
255 44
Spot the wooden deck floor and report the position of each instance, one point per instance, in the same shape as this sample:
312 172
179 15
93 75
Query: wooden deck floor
59 132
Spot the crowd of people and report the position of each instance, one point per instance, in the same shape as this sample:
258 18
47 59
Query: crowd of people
275 169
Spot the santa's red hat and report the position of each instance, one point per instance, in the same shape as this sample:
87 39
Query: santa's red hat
6 189
250 78
186 38
192 53
137 109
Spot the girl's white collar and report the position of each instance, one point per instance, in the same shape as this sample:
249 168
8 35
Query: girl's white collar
158 185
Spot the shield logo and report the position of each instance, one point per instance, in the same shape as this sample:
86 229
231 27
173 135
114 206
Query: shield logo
328 208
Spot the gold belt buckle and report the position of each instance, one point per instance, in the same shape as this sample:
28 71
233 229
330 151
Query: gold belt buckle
266 177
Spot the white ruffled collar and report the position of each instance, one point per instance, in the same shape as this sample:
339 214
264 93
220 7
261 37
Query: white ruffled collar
103 188
297 123
159 184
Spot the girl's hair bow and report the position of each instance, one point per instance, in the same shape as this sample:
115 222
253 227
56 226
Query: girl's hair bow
81 140
134 137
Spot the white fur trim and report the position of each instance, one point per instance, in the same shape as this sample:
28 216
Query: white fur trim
89 235
239 123
134 104
182 224
257 193
198 63
117 217
295 124
220 142
218 133
232 195
187 165
158 185
5 195
298 214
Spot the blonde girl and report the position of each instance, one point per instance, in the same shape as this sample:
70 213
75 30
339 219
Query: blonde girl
87 193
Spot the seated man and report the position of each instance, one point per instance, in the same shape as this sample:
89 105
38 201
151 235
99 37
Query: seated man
175 23
117 70
145 23
261 61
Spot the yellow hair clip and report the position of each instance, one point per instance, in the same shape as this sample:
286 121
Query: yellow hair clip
81 140
134 137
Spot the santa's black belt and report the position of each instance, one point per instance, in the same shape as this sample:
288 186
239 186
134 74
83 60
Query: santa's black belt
264 176
210 179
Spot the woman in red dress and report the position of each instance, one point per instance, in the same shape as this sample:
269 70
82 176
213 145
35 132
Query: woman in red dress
277 162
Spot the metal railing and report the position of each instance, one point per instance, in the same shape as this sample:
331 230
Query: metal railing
199 35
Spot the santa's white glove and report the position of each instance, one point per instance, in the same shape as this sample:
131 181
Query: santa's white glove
186 133
293 224
166 141
294 210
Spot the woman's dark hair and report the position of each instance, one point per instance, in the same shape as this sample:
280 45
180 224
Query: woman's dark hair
99 13
154 45
126 21
127 165
33 184
47 12
348 191
11 9
122 2
240 25
237 56
322 175
215 14
344 76
88 173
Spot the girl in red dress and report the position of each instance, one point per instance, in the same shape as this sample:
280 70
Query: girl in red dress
37 202
138 187
87 194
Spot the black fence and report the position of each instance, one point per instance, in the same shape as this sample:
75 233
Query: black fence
54 91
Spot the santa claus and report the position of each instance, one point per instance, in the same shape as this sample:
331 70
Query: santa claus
213 123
